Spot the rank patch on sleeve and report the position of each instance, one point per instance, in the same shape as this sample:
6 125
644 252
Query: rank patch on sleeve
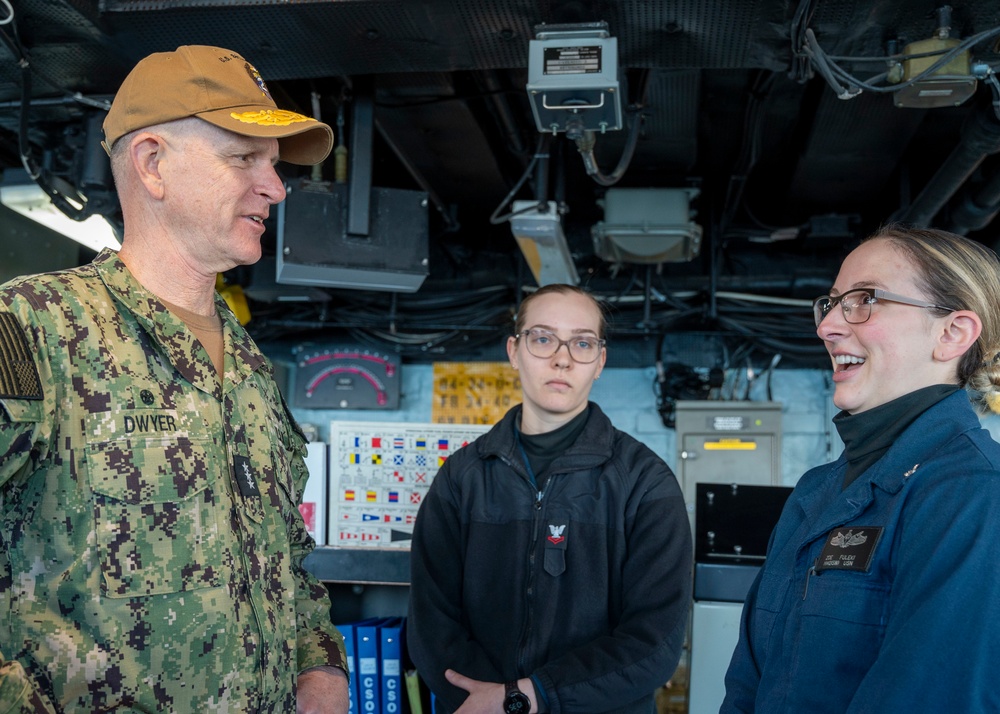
850 548
18 373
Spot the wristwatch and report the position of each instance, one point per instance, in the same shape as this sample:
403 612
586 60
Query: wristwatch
515 701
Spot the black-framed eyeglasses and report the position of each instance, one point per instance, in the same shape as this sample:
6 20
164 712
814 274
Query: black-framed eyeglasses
857 304
542 343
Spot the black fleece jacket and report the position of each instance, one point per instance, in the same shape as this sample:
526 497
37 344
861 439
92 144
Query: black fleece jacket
584 586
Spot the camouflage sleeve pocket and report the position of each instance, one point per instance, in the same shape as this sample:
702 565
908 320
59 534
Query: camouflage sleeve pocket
155 512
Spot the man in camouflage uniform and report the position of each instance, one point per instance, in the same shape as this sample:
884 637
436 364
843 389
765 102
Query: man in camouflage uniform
150 545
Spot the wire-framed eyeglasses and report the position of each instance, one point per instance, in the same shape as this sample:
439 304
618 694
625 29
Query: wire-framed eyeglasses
857 304
583 349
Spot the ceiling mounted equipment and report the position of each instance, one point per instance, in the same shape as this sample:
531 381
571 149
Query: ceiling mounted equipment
538 231
573 79
949 80
353 235
647 225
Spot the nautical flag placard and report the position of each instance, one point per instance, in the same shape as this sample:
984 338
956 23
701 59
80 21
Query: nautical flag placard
379 474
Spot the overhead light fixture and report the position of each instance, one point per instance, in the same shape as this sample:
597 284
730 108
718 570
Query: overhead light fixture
573 78
31 201
539 234
647 225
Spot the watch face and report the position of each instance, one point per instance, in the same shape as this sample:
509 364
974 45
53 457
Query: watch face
516 703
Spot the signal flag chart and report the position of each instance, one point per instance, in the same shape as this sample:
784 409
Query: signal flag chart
380 473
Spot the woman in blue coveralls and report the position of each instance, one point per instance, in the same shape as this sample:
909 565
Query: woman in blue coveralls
881 589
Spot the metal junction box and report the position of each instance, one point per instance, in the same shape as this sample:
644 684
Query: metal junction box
729 443
573 79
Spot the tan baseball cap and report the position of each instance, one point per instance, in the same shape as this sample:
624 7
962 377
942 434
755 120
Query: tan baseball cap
222 88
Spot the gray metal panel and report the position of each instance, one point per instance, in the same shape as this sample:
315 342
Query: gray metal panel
315 249
714 440
346 565
723 582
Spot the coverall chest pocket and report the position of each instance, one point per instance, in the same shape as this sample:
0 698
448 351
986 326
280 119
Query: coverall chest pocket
842 629
771 596
155 512
848 598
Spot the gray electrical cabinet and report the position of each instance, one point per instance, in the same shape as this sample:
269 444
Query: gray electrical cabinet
729 466
727 442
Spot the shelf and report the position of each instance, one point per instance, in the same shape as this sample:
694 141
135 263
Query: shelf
360 565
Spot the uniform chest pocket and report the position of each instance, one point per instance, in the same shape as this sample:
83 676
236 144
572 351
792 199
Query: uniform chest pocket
847 597
844 617
772 593
557 534
155 516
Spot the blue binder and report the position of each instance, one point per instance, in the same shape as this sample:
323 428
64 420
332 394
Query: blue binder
390 665
347 630
369 687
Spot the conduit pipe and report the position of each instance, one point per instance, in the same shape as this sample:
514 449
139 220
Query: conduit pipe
974 210
980 138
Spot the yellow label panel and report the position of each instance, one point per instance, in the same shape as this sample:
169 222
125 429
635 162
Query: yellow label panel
730 445
474 392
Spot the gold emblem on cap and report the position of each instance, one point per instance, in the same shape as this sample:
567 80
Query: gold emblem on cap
258 80
271 117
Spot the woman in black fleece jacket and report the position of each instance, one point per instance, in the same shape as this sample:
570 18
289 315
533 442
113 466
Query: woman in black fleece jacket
551 558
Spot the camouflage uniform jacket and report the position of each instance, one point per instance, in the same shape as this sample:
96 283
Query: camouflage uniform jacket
150 545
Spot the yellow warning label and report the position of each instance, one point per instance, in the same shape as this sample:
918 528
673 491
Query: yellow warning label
730 445
473 392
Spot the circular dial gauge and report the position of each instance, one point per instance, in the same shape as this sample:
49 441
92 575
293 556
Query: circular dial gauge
346 378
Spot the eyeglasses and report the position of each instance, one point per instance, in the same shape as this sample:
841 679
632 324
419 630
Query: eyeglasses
857 304
584 349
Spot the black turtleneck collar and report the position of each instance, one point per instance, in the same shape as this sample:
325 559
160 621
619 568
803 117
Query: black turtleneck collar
868 435
542 449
